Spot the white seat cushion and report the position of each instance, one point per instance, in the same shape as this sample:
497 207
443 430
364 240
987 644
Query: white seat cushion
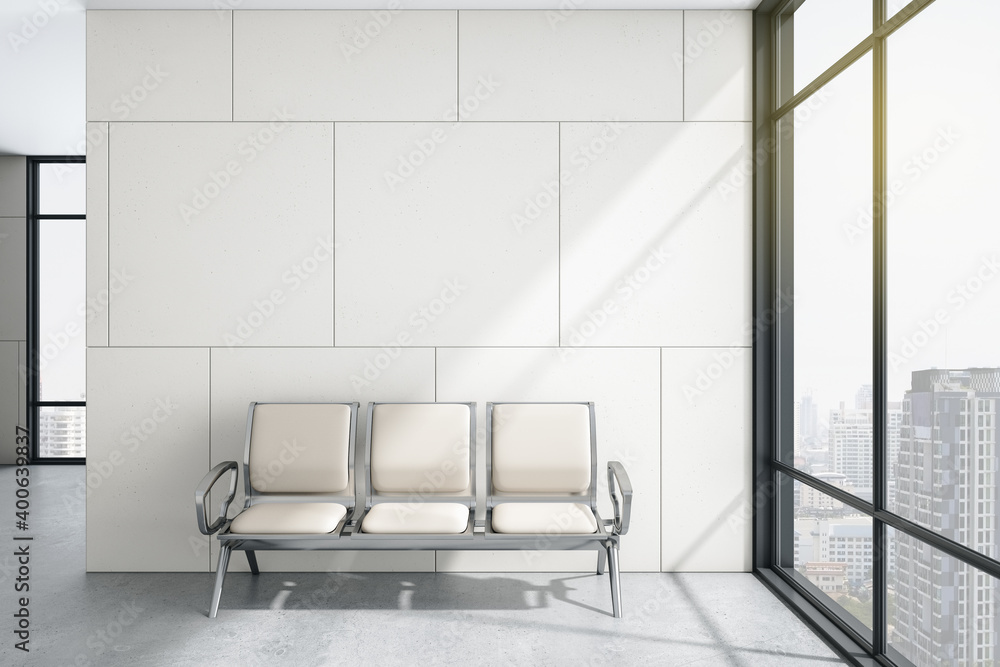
420 447
543 518
300 447
541 448
416 518
289 519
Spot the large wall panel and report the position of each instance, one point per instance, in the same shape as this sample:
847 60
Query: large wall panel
147 448
436 257
99 297
223 234
159 65
706 460
655 237
587 65
718 61
345 65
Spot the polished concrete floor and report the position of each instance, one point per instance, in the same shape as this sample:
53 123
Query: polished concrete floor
375 619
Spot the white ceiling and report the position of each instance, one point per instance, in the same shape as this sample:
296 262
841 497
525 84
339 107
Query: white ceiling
43 62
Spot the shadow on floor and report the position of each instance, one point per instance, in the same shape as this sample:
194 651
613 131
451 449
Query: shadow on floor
384 591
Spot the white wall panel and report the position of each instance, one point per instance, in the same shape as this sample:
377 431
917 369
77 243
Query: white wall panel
436 256
345 65
707 463
221 235
655 234
147 449
159 65
580 66
718 66
99 298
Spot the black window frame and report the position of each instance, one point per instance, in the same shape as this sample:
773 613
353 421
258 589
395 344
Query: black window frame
772 354
34 217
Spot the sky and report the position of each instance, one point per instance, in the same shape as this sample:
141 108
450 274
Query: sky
942 221
62 283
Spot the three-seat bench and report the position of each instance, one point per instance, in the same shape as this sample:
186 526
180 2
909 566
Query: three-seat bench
418 490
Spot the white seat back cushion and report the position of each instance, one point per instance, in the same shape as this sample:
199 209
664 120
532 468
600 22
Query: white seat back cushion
300 448
420 448
541 448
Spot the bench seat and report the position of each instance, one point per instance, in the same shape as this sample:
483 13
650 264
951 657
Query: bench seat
543 518
418 488
289 519
416 519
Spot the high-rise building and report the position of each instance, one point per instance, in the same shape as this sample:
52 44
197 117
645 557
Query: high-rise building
851 440
62 431
851 445
846 540
947 481
808 418
865 398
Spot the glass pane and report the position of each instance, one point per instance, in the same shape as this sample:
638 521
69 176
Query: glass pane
833 282
823 32
62 246
62 188
941 611
62 431
833 551
893 7
944 268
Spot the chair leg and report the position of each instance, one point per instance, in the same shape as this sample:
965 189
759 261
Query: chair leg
220 575
252 560
602 559
616 584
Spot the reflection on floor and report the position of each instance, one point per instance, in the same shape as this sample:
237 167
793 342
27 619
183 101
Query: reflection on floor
378 619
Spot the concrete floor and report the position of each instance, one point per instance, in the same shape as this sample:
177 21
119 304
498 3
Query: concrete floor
376 619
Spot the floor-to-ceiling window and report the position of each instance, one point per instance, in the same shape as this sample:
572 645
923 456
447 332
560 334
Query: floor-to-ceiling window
58 308
877 392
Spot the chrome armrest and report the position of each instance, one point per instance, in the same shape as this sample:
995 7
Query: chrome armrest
205 486
616 472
